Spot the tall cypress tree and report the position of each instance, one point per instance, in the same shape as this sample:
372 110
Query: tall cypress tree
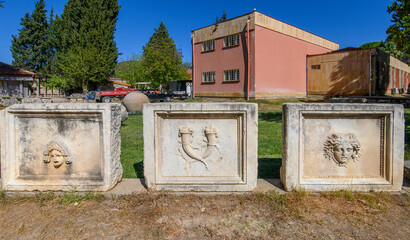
87 52
399 32
161 60
31 47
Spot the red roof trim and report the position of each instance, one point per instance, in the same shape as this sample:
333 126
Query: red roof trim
6 69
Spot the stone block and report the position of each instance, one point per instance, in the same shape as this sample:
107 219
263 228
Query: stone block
60 147
200 146
357 147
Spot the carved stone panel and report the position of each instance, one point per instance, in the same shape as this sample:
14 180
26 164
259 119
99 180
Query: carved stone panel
200 147
343 146
60 147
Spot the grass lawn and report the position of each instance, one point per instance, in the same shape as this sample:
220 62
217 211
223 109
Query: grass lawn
132 147
269 144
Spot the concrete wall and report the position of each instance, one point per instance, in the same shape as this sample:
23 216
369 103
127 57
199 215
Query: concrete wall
13 88
399 74
292 31
218 60
238 24
280 63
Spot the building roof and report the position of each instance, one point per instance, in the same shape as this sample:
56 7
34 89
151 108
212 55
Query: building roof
6 69
238 24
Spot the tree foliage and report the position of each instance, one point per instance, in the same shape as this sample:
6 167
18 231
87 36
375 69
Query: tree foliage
370 45
87 52
399 32
223 18
131 70
389 47
32 48
2 4
161 60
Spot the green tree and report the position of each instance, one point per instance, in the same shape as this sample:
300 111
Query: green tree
371 45
2 4
399 32
86 51
389 47
223 18
187 66
131 70
161 60
31 48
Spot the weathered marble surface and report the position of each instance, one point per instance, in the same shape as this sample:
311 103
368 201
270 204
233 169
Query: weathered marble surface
60 147
200 146
343 146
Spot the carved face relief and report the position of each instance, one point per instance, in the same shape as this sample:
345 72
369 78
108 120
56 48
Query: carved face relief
343 152
57 153
342 148
56 157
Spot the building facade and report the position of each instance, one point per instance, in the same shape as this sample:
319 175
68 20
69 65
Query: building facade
14 81
356 72
253 56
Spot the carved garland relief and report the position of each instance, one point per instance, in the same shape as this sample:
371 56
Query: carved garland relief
191 154
341 148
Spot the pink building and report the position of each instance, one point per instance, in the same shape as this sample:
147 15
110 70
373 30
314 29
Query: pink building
253 56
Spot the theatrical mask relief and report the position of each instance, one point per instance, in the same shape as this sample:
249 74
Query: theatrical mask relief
56 153
341 148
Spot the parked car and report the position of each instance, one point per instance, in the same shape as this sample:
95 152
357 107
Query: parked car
108 96
160 97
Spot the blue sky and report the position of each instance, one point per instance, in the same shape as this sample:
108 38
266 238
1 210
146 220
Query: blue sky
350 23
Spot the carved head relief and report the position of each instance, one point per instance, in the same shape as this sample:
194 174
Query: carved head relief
56 153
341 148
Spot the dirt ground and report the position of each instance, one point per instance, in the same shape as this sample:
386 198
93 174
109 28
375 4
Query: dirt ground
296 215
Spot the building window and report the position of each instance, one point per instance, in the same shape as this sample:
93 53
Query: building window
208 77
231 40
231 75
3 85
315 67
208 46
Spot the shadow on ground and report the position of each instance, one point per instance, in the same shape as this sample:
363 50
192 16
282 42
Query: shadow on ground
271 116
139 169
269 167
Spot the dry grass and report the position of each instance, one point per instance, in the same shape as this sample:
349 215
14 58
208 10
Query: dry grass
159 215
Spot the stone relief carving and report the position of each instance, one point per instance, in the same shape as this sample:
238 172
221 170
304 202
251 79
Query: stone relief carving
56 152
341 148
188 152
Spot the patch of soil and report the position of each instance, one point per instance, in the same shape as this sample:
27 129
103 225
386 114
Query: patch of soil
297 215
